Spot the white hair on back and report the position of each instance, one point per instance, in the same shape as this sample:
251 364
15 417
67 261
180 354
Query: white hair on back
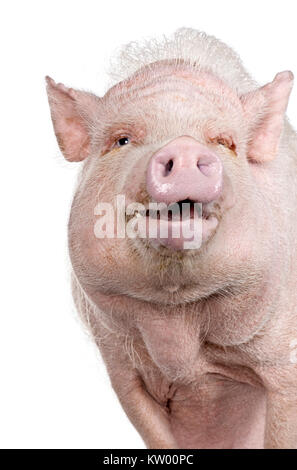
202 51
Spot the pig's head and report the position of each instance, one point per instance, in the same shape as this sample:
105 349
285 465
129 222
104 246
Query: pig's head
175 131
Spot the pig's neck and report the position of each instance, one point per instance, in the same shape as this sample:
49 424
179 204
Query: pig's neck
174 336
176 342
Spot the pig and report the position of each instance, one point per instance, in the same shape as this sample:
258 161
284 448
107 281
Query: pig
199 343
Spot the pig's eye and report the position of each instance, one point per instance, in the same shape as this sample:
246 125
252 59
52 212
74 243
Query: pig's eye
226 142
122 141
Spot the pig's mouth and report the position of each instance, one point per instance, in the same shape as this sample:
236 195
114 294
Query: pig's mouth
192 209
182 225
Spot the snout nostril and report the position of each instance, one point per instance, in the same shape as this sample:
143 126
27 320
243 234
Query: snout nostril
168 167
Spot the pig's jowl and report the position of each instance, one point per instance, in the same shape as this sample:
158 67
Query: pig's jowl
198 342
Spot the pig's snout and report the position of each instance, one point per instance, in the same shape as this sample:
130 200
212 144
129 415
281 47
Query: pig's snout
184 169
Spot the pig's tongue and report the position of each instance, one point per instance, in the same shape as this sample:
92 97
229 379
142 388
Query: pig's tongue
180 234
186 234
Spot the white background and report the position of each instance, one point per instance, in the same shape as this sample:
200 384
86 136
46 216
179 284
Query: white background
54 389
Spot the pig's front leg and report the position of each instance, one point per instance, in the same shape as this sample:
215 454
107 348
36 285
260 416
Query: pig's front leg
149 417
281 420
281 411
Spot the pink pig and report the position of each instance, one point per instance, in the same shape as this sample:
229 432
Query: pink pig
198 343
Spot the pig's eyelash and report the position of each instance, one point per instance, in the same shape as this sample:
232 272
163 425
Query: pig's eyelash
114 137
122 141
225 141
116 141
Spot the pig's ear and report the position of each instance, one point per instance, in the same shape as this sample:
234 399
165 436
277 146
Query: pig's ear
72 114
265 109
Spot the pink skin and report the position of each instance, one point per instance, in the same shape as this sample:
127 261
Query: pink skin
196 342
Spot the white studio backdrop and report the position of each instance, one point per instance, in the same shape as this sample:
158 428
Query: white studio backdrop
54 390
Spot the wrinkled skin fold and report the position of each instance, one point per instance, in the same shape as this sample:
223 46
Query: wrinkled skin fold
199 344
